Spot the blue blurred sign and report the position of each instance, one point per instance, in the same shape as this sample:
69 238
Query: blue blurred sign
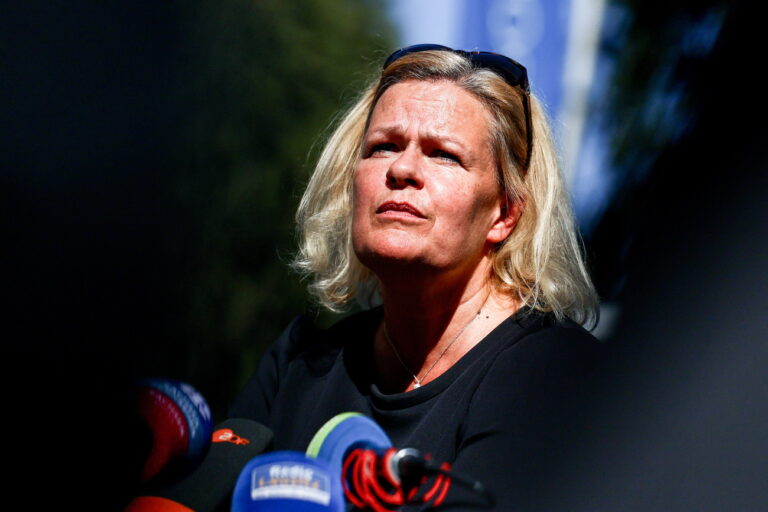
533 32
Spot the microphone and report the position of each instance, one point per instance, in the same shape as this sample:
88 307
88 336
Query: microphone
179 420
233 444
377 476
287 481
345 431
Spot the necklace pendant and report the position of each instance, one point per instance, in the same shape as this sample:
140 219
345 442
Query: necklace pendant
416 385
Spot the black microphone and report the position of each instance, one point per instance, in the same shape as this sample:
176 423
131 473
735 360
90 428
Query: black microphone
233 444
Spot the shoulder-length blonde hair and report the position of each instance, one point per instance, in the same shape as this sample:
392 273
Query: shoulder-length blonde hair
540 262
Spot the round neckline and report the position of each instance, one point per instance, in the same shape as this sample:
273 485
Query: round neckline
435 387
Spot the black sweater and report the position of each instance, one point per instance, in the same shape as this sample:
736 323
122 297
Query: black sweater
502 414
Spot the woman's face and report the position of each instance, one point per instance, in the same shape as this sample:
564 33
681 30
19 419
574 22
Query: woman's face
425 189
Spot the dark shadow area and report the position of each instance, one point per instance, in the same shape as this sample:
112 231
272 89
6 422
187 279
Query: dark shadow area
151 158
680 423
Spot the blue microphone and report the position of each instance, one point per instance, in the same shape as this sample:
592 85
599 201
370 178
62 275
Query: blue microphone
179 420
343 433
287 481
375 475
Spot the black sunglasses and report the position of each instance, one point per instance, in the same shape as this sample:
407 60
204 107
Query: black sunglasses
511 71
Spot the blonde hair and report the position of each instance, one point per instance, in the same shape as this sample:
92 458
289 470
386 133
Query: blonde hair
540 262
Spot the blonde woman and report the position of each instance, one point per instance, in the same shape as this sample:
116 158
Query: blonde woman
439 190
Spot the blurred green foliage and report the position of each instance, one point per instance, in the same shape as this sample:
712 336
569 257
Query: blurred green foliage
261 82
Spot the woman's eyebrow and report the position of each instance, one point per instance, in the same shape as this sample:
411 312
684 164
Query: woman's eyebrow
388 129
429 134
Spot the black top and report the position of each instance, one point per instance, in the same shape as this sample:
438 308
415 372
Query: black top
501 414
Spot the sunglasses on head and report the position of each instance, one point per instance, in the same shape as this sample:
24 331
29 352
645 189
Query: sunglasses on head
511 71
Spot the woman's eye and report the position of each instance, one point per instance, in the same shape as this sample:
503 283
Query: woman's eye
445 155
383 147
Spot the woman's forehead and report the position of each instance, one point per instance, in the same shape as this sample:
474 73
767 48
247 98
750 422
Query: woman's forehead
437 96
433 108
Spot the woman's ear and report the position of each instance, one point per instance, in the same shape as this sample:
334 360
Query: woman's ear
509 214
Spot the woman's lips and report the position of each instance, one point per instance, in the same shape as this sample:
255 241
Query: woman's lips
407 208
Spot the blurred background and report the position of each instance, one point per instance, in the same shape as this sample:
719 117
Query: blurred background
153 154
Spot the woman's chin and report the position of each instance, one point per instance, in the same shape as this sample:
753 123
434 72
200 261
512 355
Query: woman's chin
388 255
376 258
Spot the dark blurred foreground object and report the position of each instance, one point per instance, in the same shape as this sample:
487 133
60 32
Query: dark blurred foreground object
684 421
179 420
210 485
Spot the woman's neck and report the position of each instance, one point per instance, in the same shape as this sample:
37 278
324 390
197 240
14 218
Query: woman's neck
429 325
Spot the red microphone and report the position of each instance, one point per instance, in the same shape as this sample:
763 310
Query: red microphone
179 421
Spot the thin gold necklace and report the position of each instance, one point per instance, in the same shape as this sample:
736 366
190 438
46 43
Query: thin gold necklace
417 381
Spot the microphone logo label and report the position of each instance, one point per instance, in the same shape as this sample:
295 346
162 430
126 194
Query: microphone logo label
291 480
226 435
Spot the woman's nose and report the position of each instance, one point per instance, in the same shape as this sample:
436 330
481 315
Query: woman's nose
405 170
